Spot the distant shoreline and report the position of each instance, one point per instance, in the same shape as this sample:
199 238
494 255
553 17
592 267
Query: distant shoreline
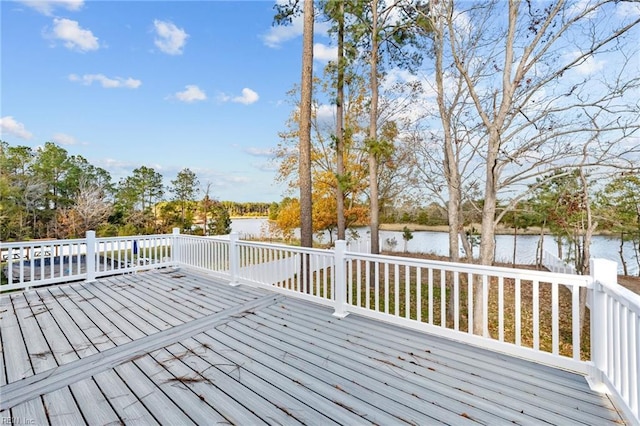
500 230
416 227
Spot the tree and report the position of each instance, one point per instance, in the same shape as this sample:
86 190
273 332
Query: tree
91 206
137 196
185 188
529 109
384 32
407 235
620 206
288 217
336 10
306 89
218 220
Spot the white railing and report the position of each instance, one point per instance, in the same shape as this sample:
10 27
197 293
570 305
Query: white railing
520 308
615 336
555 264
42 262
309 273
37 263
210 254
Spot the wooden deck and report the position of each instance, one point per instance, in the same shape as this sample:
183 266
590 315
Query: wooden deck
175 347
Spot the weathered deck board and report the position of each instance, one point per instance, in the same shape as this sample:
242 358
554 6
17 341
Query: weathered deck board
15 355
32 410
379 387
458 382
178 387
180 347
93 405
126 404
240 376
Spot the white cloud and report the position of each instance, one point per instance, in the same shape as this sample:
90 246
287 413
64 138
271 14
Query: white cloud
73 36
46 7
325 53
278 34
192 93
259 152
64 139
169 38
326 113
248 97
9 125
106 82
589 66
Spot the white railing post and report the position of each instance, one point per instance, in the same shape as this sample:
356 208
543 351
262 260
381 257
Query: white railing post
175 247
340 278
604 272
91 255
234 258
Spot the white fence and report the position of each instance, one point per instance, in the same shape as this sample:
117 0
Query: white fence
36 263
555 264
515 309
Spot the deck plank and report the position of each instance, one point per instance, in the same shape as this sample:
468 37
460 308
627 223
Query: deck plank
247 396
462 378
118 327
78 313
137 320
377 389
179 387
6 311
93 405
31 411
155 401
217 391
15 356
61 408
148 299
126 404
60 345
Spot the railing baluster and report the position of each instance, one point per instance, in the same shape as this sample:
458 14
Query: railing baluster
536 314
555 332
407 291
501 309
396 289
575 321
419 294
456 300
430 278
518 309
443 299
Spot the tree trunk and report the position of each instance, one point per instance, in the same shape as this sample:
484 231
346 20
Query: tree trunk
374 223
487 239
621 253
340 127
586 248
515 244
306 222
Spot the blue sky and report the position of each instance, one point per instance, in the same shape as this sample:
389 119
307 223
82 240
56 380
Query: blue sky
165 84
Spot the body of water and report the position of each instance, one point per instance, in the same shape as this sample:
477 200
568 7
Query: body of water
438 243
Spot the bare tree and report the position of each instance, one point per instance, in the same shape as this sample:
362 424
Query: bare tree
535 92
91 205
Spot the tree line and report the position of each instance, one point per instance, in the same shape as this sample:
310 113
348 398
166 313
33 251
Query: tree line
47 193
